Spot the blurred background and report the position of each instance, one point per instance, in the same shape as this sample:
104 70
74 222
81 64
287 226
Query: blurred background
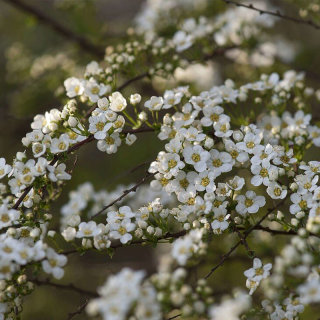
35 59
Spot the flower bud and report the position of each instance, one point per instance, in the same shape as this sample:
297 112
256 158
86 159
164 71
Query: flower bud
72 122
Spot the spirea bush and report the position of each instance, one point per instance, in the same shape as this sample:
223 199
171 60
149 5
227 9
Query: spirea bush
234 168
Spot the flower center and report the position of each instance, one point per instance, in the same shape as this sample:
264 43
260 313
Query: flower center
195 157
217 163
122 230
250 144
184 183
5 217
172 163
263 172
248 203
277 191
100 126
205 181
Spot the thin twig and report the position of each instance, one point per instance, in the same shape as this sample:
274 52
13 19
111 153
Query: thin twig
242 238
69 286
128 82
125 192
80 309
276 13
167 236
56 26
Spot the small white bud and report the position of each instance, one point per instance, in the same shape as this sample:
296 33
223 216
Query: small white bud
135 98
72 122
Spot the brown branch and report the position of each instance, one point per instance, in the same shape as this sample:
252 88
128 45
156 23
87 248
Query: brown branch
125 192
242 238
167 236
69 286
128 82
80 309
175 317
277 13
56 26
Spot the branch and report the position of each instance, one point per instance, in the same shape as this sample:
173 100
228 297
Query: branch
166 236
277 13
242 239
70 287
80 309
128 82
56 26
125 192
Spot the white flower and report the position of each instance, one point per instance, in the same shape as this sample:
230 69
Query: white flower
196 156
310 291
275 191
235 152
60 144
250 143
53 263
306 183
257 273
99 126
74 87
69 234
190 134
211 115
171 98
182 41
236 183
88 229
220 222
121 230
220 162
4 168
284 158
263 173
117 102
130 139
312 168
264 155
58 172
135 99
205 181
40 167
314 135
8 216
92 69
154 104
171 164
110 144
252 284
103 104
123 212
183 182
94 90
182 250
300 202
250 203
222 127
118 123
38 149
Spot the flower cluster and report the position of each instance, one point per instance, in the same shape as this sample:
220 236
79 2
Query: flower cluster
128 288
222 173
